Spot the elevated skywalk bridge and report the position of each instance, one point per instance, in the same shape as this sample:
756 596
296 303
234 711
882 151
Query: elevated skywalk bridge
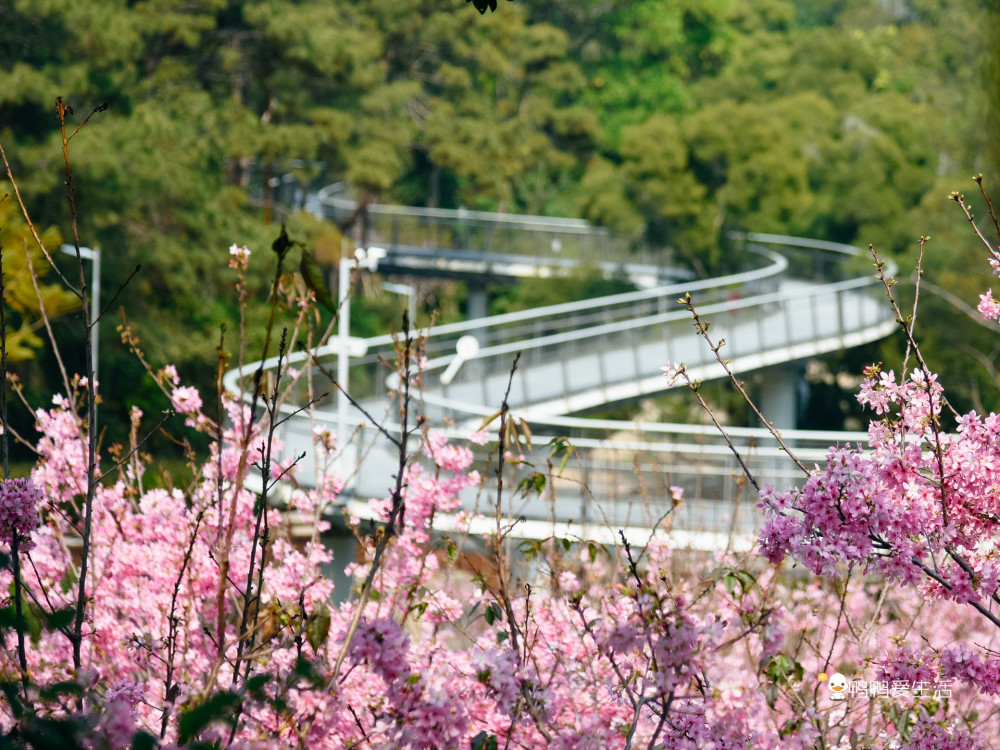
798 299
483 245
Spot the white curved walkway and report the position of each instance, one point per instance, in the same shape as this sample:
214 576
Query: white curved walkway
582 355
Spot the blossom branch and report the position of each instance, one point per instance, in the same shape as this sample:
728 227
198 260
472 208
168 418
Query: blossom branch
716 347
405 353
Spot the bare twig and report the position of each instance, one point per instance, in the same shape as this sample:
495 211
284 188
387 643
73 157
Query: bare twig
695 387
135 448
397 510
63 111
978 179
503 568
3 369
907 325
715 347
170 690
31 225
959 304
960 200
45 320
912 321
117 294
354 402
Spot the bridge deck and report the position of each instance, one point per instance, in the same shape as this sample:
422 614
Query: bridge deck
582 355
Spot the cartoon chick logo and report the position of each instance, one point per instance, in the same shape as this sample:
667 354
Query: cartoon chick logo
837 685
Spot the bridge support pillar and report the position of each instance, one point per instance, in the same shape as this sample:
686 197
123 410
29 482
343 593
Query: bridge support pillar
477 307
344 547
782 395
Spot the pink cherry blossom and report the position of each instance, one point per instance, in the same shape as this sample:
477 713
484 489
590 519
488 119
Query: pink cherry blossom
186 400
19 500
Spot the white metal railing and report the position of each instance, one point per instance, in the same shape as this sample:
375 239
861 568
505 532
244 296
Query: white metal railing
775 312
485 232
332 197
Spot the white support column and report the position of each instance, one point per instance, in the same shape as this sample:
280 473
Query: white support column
778 397
477 306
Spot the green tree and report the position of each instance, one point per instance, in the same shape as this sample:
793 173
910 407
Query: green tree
26 296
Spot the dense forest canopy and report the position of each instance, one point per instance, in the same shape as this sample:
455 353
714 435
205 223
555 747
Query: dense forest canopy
669 121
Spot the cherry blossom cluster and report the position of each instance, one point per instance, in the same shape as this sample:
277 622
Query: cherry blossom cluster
586 647
603 660
19 500
919 506
913 506
239 257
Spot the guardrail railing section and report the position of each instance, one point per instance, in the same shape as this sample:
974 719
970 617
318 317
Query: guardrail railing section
693 483
812 296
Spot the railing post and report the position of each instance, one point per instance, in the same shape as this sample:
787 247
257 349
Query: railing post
840 314
788 320
565 375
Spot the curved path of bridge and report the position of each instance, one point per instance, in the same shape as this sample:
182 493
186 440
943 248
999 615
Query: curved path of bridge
797 299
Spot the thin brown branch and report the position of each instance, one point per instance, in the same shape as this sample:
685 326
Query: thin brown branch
31 224
978 179
912 322
45 320
907 325
397 510
695 387
960 200
716 347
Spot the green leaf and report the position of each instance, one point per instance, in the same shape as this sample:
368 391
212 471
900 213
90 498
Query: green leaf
318 628
68 580
61 618
535 481
60 689
9 620
304 669
729 581
33 622
217 707
483 741
782 670
143 741
561 446
312 275
10 689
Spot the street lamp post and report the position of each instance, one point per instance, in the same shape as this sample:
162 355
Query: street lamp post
466 348
93 255
367 259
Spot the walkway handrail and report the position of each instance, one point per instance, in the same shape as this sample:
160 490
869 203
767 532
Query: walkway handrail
442 336
328 196
544 342
768 313
776 266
